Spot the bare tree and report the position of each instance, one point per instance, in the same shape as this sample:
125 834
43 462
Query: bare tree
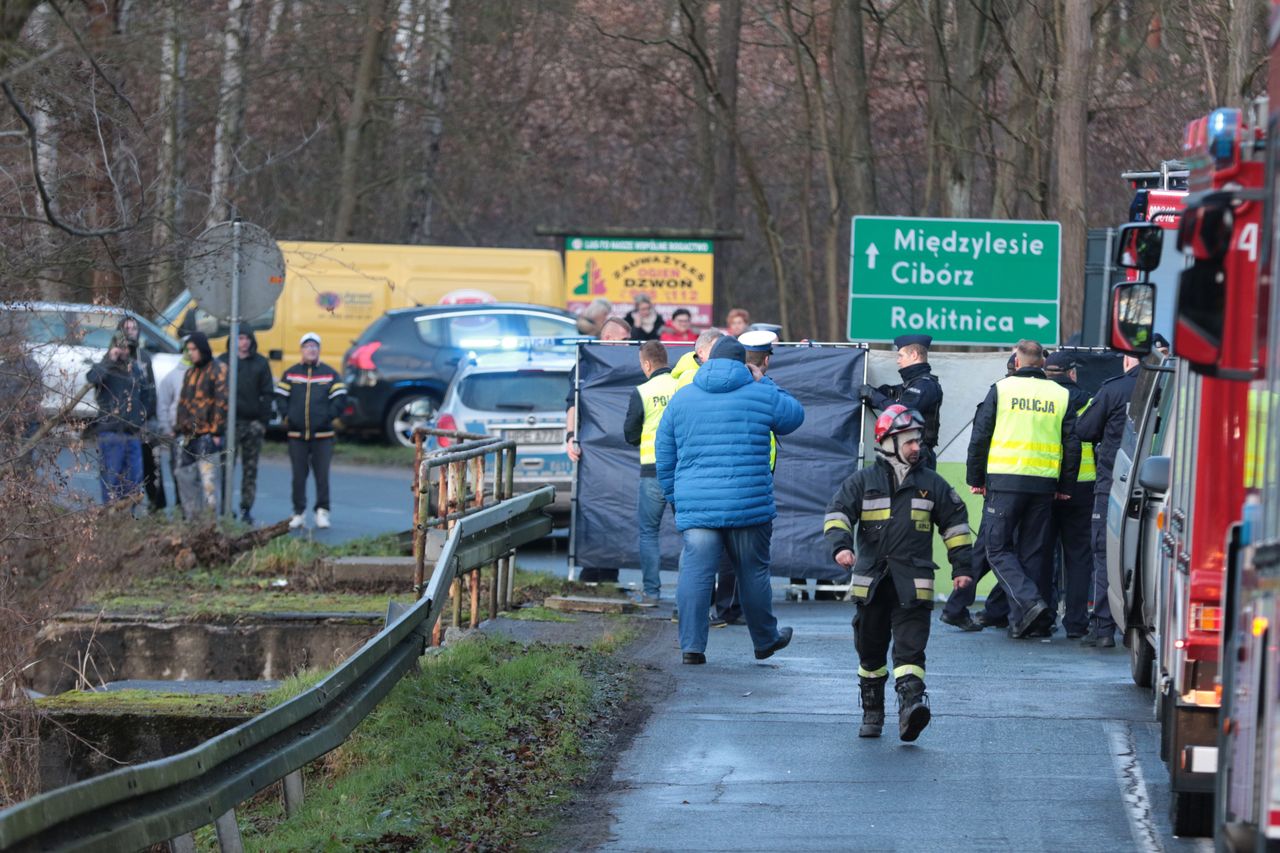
371 45
1071 153
437 67
231 102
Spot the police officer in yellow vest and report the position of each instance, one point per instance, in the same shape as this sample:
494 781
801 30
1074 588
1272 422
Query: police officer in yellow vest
1072 519
644 412
1022 453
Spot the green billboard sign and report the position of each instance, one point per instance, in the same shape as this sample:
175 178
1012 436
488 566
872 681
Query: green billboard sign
963 281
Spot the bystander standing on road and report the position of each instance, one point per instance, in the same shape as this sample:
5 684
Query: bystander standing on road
678 331
200 424
1023 453
152 476
896 504
310 395
640 428
123 401
645 321
1103 424
167 393
591 319
253 409
713 464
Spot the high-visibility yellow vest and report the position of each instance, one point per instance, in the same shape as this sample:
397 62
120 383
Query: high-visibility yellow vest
655 394
1027 440
1088 465
686 368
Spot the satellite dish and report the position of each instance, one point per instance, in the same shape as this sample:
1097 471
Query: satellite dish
210 262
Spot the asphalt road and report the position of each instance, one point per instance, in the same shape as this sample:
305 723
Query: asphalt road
363 501
1034 745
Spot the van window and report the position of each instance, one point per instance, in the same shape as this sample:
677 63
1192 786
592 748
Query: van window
518 391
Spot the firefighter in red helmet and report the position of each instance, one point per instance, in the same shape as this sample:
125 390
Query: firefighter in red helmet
894 505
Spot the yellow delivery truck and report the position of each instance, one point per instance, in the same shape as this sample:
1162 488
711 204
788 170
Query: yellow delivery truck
338 289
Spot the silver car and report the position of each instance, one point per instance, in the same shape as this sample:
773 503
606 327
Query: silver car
65 339
520 396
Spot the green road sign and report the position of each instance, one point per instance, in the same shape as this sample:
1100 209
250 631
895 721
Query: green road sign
963 281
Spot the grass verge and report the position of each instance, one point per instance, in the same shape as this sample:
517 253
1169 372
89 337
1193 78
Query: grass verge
471 753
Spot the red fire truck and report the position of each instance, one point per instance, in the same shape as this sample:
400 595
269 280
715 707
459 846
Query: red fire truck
1215 344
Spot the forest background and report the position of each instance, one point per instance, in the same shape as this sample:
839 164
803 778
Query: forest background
130 125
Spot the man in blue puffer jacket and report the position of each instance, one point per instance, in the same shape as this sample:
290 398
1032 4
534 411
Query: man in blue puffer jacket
713 465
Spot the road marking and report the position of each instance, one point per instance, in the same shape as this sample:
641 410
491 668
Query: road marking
1133 787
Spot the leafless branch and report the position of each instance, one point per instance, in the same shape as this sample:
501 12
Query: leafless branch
45 199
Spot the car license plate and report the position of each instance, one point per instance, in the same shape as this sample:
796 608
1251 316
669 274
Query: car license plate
534 436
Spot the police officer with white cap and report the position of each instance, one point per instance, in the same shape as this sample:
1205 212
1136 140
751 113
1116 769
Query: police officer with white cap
920 390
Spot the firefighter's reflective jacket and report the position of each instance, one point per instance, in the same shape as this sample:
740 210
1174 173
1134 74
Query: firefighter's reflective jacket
895 530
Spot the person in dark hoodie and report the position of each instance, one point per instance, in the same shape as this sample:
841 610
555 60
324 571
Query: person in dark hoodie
200 423
121 392
152 478
310 395
254 389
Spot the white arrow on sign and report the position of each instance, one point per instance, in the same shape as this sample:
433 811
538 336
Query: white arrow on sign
1039 321
872 251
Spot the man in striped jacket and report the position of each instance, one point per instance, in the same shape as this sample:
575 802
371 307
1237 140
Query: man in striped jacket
894 505
309 396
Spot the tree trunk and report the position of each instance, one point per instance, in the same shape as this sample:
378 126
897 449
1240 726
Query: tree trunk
1241 53
728 42
810 94
366 72
853 155
1070 155
439 67
1016 139
231 97
171 105
703 125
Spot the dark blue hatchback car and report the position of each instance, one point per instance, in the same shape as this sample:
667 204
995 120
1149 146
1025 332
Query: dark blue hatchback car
398 370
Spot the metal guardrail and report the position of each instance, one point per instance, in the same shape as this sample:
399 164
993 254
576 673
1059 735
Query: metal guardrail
160 800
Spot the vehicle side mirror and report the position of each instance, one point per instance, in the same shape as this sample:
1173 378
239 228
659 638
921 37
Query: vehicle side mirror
1139 245
1133 311
1154 474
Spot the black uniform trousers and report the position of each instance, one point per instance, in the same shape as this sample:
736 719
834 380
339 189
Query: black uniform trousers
317 455
881 618
1018 547
1072 536
929 458
997 607
1101 620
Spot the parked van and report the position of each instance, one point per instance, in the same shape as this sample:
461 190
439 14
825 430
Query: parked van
338 289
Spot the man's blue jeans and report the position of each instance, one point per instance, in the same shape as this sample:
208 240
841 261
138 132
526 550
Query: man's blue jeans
748 549
120 469
651 505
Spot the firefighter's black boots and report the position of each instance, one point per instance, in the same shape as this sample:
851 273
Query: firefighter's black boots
913 707
872 705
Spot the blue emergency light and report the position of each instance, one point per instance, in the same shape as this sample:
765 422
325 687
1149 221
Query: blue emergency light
1224 127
